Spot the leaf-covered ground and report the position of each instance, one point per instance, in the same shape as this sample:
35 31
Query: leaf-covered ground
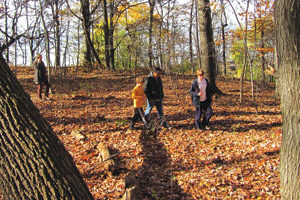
237 159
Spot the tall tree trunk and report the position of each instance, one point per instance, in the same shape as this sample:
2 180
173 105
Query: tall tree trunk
208 59
55 11
224 49
223 25
263 60
34 164
150 50
262 46
67 44
197 33
85 10
78 43
168 43
160 40
244 32
16 54
287 26
190 37
106 34
6 29
111 36
47 43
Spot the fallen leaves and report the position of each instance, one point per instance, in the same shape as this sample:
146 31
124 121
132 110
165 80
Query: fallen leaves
237 159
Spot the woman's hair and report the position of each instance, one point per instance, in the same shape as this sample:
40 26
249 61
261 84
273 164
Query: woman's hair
139 79
37 58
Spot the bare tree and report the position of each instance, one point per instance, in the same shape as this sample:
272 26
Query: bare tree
244 33
47 37
56 12
86 13
223 25
190 36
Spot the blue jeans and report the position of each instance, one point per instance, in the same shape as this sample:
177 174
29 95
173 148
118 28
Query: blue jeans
158 103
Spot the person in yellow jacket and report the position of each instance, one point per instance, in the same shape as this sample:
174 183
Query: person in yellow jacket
139 97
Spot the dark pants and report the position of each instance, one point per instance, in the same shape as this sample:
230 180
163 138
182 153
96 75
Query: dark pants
138 114
158 103
40 88
206 109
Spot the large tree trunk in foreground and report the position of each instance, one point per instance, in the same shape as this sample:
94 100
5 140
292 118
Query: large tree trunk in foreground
288 49
34 164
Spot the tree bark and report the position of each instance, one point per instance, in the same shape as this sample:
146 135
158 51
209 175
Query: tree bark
150 50
197 33
55 12
47 44
111 35
86 15
207 48
6 29
106 34
34 164
287 26
191 38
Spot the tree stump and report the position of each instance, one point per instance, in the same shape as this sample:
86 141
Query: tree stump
105 157
132 188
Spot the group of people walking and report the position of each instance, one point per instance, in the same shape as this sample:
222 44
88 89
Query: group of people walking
153 92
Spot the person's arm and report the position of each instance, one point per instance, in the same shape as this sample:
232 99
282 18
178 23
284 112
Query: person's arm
193 90
148 88
162 89
133 94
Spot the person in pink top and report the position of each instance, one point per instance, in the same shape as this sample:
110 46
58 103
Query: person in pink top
201 98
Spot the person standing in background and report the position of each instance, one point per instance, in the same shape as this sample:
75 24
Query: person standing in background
40 76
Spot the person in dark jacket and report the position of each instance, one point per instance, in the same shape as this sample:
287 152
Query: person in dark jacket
155 95
40 76
201 98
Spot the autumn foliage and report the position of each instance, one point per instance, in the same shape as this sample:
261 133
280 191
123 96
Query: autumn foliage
237 159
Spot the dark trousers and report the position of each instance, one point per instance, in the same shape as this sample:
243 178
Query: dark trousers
206 110
138 114
159 107
40 88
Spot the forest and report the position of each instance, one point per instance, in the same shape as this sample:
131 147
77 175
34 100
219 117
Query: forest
77 144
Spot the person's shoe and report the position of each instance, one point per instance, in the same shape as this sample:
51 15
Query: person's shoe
207 127
167 126
200 127
130 129
145 127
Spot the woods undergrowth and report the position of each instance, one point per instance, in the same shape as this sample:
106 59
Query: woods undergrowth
237 159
